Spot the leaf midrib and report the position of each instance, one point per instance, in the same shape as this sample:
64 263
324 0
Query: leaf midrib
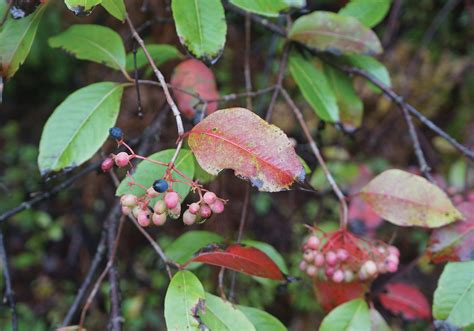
333 34
198 19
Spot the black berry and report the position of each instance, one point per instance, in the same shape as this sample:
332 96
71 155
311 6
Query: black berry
116 133
160 185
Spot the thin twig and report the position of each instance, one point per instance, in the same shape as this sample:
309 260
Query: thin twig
9 296
247 70
322 163
281 75
115 321
137 82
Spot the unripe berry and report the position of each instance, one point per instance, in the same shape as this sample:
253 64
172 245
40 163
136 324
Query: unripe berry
392 258
126 210
159 207
175 212
171 199
159 219
391 266
116 133
381 250
152 193
160 185
303 265
342 255
136 210
331 258
121 159
209 197
370 268
392 250
363 274
319 259
205 211
194 208
107 164
308 255
313 242
348 276
329 271
338 276
381 267
189 218
128 200
143 218
217 207
311 271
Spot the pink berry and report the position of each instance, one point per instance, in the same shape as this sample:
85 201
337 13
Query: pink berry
338 276
303 265
175 212
348 276
392 250
311 270
370 268
209 198
217 206
194 208
381 267
159 207
329 271
392 258
189 218
308 255
205 211
107 164
313 242
122 159
159 219
342 254
319 259
331 258
128 200
143 218
171 199
362 274
391 266
136 210
152 193
126 210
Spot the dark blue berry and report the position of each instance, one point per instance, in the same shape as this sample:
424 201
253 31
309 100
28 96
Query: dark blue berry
160 185
116 133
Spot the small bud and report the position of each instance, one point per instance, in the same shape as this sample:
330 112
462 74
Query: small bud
338 276
342 255
171 199
308 255
381 250
393 258
313 242
194 208
205 211
159 207
303 265
319 259
331 258
370 268
128 200
217 206
189 218
159 219
122 159
107 164
391 266
209 197
175 212
152 193
143 218
126 210
362 274
311 271
393 251
348 276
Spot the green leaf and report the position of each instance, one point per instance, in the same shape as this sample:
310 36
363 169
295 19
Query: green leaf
94 43
296 3
81 7
223 316
79 126
184 247
159 52
270 251
147 172
184 299
261 320
116 8
352 315
350 105
16 38
377 322
262 7
201 27
315 88
368 12
454 297
372 66
330 32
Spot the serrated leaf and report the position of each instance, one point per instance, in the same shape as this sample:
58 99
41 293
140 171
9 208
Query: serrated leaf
270 8
92 42
261 320
183 248
248 260
16 38
368 12
116 8
236 138
79 126
350 106
147 172
81 7
372 66
454 296
405 299
184 300
352 315
159 52
315 88
409 200
330 32
201 27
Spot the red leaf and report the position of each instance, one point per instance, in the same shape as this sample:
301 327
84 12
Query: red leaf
407 300
193 76
248 260
360 211
331 295
454 242
236 138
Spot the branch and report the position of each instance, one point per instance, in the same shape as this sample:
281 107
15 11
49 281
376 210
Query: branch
281 75
8 283
115 321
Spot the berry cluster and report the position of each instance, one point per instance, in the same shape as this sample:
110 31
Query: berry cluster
340 256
